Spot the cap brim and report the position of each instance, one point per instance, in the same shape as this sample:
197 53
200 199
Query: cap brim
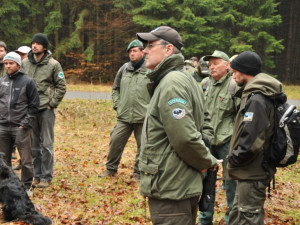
207 57
144 37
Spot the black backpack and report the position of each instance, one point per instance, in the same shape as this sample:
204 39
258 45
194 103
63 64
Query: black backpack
284 148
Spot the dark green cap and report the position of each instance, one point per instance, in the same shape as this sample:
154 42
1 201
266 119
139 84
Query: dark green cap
217 54
135 43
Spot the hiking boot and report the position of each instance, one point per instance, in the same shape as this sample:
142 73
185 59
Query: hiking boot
18 167
44 184
107 173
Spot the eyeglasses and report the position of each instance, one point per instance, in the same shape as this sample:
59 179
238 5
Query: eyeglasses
149 46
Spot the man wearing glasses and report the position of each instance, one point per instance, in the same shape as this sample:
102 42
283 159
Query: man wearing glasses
177 125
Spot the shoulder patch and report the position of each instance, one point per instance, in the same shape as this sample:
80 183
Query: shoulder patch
178 113
176 100
248 116
61 75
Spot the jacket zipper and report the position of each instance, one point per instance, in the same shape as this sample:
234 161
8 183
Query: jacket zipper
11 92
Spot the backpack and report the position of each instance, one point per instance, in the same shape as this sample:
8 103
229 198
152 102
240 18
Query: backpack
285 142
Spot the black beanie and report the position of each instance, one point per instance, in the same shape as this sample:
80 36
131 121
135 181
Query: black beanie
40 38
247 62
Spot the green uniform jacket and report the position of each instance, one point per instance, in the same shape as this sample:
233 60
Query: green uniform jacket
130 95
49 78
173 152
222 107
253 129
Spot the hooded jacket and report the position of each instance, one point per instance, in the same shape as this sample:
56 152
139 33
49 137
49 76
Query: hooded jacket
173 151
253 129
19 100
49 78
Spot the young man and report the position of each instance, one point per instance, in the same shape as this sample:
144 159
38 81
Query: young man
51 84
252 133
176 127
221 103
3 51
130 99
19 102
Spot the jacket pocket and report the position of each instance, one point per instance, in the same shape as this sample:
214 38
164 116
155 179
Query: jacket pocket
149 178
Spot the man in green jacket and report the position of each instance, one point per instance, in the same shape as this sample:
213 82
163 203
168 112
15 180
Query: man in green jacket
252 133
51 84
177 126
3 51
130 99
219 90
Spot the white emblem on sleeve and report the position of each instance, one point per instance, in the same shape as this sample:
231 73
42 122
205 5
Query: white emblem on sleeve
178 113
248 116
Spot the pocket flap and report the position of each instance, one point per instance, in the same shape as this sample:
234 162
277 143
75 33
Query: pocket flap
148 169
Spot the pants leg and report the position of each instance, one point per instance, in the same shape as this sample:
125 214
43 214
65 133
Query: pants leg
6 143
23 142
248 206
137 134
42 144
220 152
173 212
118 139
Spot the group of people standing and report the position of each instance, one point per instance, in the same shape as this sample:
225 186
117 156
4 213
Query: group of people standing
32 84
183 127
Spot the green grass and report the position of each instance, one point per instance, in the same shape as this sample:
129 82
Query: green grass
292 91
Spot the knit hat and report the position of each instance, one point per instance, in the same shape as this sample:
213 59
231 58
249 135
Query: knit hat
247 62
163 32
217 54
135 43
2 44
41 38
14 57
23 49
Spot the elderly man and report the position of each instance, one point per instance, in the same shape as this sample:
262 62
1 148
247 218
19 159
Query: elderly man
176 128
130 100
219 90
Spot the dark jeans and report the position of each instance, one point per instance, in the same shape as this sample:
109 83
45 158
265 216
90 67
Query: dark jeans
42 144
206 218
173 212
248 206
118 139
22 138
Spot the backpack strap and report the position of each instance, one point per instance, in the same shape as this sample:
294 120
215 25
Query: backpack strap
117 82
205 84
231 87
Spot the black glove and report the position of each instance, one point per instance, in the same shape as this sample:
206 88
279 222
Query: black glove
209 183
206 141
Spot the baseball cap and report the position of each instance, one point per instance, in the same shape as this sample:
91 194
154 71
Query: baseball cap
135 43
23 49
217 54
163 32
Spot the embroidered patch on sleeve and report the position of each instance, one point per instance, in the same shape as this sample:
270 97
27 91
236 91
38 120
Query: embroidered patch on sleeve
248 116
178 113
61 75
176 100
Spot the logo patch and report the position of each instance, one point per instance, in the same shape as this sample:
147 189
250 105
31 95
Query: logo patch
248 116
178 113
5 84
61 75
176 100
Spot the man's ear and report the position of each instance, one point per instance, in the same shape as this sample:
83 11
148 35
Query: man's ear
170 49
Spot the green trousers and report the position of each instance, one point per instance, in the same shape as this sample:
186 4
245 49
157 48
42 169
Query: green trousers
206 218
173 212
248 206
118 139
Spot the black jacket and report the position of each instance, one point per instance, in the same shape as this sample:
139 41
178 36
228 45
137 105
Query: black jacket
19 100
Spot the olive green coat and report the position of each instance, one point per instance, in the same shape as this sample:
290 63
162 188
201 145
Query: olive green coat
131 97
222 107
173 152
49 77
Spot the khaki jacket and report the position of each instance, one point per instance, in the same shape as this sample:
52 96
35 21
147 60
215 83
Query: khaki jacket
173 151
49 77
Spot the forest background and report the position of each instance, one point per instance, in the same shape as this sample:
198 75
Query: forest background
90 37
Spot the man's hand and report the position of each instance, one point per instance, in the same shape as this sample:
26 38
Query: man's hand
213 168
